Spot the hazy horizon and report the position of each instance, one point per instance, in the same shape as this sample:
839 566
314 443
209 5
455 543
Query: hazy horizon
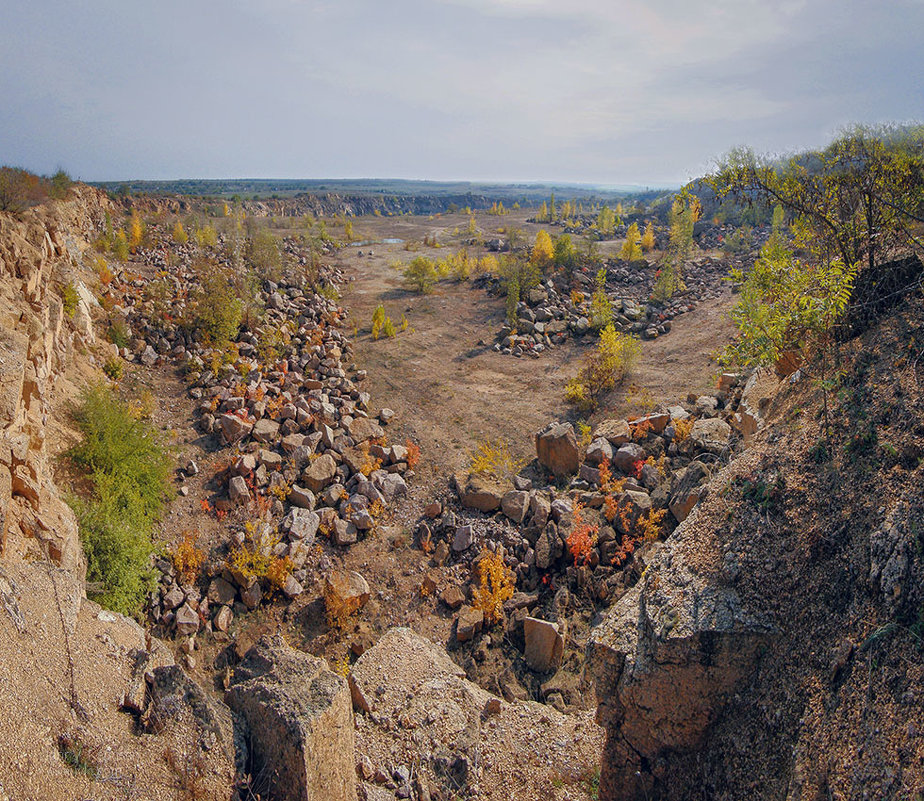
483 91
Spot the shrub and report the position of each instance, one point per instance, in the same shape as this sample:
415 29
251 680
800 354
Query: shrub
136 231
218 309
263 253
378 320
682 429
187 558
70 299
632 247
114 368
20 189
604 369
421 274
494 458
389 328
583 537
120 246
601 309
648 238
179 234
119 333
494 585
413 454
130 472
206 237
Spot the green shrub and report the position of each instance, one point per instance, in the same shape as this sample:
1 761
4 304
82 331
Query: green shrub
70 298
421 274
119 333
114 367
130 472
218 310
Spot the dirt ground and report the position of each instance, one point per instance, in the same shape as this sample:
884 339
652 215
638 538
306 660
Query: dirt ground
450 390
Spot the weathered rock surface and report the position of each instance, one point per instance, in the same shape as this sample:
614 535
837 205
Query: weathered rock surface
556 448
300 719
414 706
666 657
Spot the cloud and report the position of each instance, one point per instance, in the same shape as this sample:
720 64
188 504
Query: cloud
611 92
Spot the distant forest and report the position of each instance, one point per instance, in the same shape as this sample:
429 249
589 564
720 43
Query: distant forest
253 189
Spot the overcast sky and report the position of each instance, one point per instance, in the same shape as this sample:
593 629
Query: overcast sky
624 91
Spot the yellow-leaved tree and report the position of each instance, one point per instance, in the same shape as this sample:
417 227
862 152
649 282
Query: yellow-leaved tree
632 247
179 234
135 232
543 251
648 238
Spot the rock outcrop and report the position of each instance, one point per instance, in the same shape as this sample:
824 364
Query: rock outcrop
300 719
416 708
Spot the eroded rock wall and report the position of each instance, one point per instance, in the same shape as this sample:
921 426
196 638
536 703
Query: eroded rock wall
40 254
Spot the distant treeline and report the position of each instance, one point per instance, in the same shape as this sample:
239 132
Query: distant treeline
479 195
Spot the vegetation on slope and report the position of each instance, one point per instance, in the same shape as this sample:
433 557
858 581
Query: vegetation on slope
129 469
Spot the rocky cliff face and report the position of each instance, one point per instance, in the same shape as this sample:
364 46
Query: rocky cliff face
40 254
772 647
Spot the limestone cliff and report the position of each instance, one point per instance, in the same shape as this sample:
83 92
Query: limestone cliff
772 648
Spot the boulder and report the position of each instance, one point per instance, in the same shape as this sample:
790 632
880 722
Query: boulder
233 428
755 398
544 644
557 450
481 492
514 504
687 490
300 717
616 432
320 473
600 450
238 491
301 524
469 623
709 434
301 497
363 428
628 456
265 430
186 620
345 592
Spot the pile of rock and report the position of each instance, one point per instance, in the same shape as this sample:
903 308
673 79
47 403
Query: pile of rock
659 465
547 315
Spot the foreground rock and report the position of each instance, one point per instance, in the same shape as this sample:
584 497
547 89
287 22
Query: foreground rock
415 707
556 447
298 712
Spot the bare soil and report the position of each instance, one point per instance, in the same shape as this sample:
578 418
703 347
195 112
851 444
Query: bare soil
451 391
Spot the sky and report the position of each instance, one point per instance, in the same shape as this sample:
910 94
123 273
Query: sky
647 92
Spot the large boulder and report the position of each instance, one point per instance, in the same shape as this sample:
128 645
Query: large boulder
688 490
544 644
319 473
300 719
557 449
414 700
709 435
755 398
480 491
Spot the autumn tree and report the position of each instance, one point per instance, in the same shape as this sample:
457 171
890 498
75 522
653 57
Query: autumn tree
648 238
857 199
606 221
421 274
179 233
135 232
632 247
685 211
543 251
263 254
